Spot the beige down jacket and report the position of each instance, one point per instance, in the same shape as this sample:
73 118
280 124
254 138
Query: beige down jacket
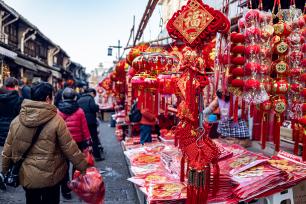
45 165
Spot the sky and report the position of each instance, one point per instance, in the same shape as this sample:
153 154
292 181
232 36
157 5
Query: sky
85 28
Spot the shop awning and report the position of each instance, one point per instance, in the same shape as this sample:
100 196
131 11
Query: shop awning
8 53
25 63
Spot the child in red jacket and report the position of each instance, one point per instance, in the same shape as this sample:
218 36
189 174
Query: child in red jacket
76 122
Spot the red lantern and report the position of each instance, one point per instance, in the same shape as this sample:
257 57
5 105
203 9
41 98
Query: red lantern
135 52
166 84
251 84
281 86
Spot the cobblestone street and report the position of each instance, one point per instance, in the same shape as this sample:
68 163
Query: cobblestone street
118 189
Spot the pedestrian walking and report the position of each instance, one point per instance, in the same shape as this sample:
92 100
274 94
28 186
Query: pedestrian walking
45 164
89 106
148 120
76 123
10 102
59 95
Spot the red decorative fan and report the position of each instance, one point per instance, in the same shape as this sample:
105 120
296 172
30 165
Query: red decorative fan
197 22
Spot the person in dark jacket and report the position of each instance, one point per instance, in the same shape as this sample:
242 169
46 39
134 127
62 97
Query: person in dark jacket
10 102
59 95
89 106
76 123
25 90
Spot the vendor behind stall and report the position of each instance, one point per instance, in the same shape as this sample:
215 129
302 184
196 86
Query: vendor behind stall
230 131
148 120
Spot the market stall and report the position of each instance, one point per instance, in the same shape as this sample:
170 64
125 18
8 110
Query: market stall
260 68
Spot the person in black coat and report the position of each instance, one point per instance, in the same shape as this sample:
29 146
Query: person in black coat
10 102
90 108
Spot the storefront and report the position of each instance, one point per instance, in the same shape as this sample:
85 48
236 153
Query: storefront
7 67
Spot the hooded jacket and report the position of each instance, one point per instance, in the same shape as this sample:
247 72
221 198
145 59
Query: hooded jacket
75 120
45 164
89 106
9 109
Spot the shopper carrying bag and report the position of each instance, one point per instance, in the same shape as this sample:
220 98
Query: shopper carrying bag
12 176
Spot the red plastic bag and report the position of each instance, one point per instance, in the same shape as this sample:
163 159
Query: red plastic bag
89 158
89 187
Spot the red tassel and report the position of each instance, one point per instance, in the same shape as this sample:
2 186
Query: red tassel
156 104
205 192
243 115
277 125
296 137
182 176
252 109
264 130
231 105
303 132
236 110
216 179
166 109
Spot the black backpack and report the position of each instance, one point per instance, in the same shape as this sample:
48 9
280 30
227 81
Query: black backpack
135 114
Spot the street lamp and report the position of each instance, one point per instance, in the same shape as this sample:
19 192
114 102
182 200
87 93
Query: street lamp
110 50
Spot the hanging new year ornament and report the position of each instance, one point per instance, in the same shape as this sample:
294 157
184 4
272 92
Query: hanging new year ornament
197 22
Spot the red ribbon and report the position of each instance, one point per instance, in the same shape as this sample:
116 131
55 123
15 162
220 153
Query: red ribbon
243 115
295 137
277 125
231 105
236 109
264 129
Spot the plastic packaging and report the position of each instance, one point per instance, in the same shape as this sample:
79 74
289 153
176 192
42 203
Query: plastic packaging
89 187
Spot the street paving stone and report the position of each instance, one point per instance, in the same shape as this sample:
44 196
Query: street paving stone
114 170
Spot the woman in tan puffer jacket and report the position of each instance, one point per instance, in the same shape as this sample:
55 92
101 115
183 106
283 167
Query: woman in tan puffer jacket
45 165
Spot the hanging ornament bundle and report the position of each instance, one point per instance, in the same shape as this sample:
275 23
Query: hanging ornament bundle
253 93
194 24
295 57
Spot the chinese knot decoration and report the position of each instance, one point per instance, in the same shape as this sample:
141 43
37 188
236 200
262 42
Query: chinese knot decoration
197 22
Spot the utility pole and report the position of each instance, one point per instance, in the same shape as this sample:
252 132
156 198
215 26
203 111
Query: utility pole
110 48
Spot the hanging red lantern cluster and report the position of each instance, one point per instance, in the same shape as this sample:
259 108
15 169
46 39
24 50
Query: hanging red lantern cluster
266 26
295 56
281 68
121 68
302 120
136 51
106 84
167 84
137 82
155 63
254 93
237 60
